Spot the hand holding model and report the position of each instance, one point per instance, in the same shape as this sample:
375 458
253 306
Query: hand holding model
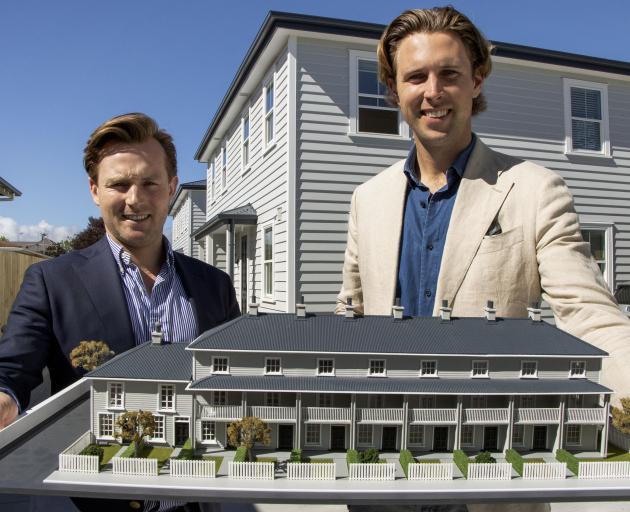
8 410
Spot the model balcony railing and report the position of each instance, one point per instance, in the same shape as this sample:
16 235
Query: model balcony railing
220 412
485 416
433 416
593 416
537 415
380 416
326 414
271 413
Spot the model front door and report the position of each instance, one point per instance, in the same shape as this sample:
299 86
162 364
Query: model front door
337 437
389 439
490 438
181 431
285 437
440 439
540 438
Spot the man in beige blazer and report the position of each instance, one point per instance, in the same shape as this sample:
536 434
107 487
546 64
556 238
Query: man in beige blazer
513 235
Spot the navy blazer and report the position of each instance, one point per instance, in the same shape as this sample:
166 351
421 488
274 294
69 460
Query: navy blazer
79 296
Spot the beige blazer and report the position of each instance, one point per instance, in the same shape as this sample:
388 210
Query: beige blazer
539 253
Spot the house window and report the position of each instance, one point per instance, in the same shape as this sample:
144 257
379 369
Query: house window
427 402
428 369
208 431
269 131
518 435
370 111
313 434
268 261
105 425
527 401
529 369
245 144
219 398
600 238
167 397
480 368
468 435
272 399
574 434
325 367
224 163
377 368
575 401
324 400
577 370
375 401
273 365
220 365
115 398
416 434
586 117
364 434
479 402
158 431
211 172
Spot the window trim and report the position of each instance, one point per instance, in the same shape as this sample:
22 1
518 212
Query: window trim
263 229
216 372
567 83
432 375
279 372
224 167
162 439
571 375
461 436
424 437
214 401
486 375
370 374
159 398
535 375
269 80
320 374
120 407
246 166
201 433
319 434
609 251
100 434
579 443
364 443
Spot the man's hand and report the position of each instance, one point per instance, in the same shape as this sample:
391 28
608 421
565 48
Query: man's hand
8 410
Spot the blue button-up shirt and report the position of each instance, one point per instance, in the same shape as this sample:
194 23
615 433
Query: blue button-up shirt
425 224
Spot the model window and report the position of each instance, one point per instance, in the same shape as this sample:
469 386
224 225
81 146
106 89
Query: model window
428 369
115 399
377 368
273 365
313 434
596 238
416 434
468 435
211 173
578 369
427 402
527 401
586 121
518 433
364 434
224 164
158 432
106 425
574 434
575 401
208 431
272 399
268 261
324 400
220 365
219 397
245 144
529 369
480 368
325 367
479 402
375 401
167 395
269 113
374 113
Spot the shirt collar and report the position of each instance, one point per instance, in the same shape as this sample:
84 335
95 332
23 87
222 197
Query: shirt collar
459 165
123 258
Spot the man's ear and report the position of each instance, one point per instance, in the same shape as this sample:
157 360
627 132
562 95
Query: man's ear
94 191
477 83
391 84
172 186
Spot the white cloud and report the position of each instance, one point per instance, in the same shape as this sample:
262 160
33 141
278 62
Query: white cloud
14 231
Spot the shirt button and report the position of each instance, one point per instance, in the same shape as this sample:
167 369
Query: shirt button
423 204
430 247
427 293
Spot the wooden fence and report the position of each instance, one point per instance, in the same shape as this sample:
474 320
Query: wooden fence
430 472
592 470
299 471
551 471
129 466
498 471
372 471
193 468
251 470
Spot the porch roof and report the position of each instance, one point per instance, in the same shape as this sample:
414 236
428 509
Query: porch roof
244 215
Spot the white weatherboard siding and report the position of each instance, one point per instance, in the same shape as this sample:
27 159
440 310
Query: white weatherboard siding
181 227
198 217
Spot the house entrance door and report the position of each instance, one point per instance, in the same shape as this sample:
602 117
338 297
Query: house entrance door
389 439
540 438
182 431
440 439
490 438
285 437
243 260
337 437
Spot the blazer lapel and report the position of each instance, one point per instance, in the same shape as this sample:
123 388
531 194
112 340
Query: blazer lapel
196 287
479 199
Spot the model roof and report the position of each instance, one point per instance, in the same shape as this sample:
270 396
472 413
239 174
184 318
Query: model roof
280 332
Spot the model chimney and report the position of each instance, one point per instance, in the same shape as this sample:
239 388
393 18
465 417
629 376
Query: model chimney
397 310
534 312
253 307
491 313
157 335
300 308
349 308
445 311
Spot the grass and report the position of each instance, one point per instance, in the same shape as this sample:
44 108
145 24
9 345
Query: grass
428 461
535 460
614 455
267 459
161 453
109 451
217 462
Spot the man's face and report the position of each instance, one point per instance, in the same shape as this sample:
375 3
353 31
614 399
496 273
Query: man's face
435 86
133 192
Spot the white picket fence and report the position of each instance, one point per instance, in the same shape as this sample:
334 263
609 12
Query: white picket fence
498 471
130 466
251 470
301 471
591 470
193 468
372 471
540 471
430 471
71 461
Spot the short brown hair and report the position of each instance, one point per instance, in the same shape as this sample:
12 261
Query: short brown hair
134 127
438 19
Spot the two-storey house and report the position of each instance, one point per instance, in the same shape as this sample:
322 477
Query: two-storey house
188 209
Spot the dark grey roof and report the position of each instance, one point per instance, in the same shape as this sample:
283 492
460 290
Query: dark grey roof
383 335
396 385
245 214
318 24
169 361
190 185
8 190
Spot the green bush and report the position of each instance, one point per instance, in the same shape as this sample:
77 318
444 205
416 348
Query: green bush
352 456
572 462
93 449
296 455
369 456
241 454
515 458
461 461
485 458
405 459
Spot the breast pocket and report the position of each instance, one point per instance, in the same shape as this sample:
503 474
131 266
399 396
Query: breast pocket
501 241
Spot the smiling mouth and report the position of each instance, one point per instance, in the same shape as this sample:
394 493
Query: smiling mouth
435 114
136 218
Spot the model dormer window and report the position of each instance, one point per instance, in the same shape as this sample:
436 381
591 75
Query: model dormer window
480 369
115 396
577 370
529 369
377 368
220 365
325 367
167 397
428 369
273 366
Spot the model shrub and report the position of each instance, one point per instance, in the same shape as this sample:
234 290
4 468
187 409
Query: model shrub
296 455
485 458
572 462
369 456
93 449
461 461
241 454
515 458
352 457
405 459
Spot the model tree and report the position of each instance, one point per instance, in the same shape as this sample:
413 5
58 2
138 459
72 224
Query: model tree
621 417
135 426
246 432
90 354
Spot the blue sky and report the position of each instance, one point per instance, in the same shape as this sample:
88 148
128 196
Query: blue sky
66 66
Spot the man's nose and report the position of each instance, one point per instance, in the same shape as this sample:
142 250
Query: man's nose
133 195
433 87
